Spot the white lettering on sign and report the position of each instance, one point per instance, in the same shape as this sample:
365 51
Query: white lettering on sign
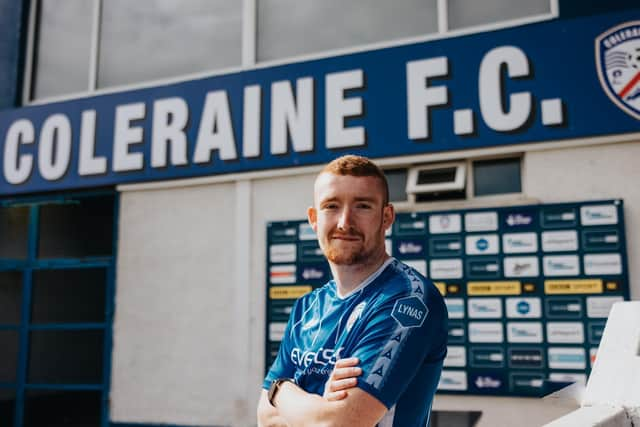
421 97
251 121
17 167
338 108
216 130
89 163
54 147
292 116
170 117
125 135
492 90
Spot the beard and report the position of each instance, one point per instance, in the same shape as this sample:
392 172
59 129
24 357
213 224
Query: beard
349 253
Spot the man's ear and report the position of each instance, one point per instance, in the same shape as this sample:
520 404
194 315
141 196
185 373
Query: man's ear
312 217
388 216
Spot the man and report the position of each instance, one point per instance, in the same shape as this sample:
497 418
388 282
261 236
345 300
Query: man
376 313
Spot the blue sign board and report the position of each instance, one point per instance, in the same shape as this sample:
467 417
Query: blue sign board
545 81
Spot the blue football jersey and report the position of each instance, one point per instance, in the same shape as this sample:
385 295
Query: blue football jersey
395 323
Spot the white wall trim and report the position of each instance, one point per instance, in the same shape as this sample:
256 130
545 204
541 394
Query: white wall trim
94 51
398 161
27 82
249 32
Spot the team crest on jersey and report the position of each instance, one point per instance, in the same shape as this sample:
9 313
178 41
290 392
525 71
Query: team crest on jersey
355 315
618 65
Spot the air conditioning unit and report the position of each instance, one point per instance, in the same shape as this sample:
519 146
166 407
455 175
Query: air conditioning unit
435 181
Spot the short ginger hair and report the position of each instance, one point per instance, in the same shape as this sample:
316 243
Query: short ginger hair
353 165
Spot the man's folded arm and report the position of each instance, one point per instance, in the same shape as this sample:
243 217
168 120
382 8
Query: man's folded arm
268 416
299 408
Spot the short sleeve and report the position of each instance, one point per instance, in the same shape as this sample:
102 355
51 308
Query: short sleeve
393 343
282 366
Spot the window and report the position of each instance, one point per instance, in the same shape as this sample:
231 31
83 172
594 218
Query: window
397 181
467 13
57 266
498 176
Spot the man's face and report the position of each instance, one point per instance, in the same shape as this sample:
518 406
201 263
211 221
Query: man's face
350 218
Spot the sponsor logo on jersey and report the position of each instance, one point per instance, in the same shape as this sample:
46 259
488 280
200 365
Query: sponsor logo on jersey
566 358
439 224
514 243
599 307
524 308
446 268
485 332
599 214
282 252
526 266
524 332
456 357
455 307
453 380
526 358
561 265
410 312
618 66
481 221
560 241
484 308
305 232
565 332
602 264
317 358
355 315
482 244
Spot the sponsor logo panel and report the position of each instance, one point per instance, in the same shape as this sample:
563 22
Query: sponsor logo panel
457 333
565 332
519 219
517 243
494 288
481 221
488 382
574 286
456 357
485 332
602 264
560 241
310 252
557 217
282 274
289 292
419 265
455 307
410 225
522 382
486 357
445 246
305 232
568 378
525 266
561 265
453 380
563 308
409 248
593 352
523 308
595 331
566 358
483 268
446 268
282 233
314 273
598 215
276 330
441 224
526 358
482 244
282 252
599 307
524 332
484 308
600 240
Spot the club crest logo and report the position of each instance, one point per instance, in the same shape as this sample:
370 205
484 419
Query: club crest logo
618 65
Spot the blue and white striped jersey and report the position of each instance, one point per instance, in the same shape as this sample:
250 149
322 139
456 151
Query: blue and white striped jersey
395 323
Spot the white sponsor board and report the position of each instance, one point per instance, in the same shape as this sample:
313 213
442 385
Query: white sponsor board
485 332
440 224
279 274
525 266
601 264
599 307
455 307
481 221
561 265
524 308
519 243
568 377
482 244
598 215
565 332
524 332
566 358
484 308
456 357
419 265
560 241
283 253
453 380
446 268
276 330
305 232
